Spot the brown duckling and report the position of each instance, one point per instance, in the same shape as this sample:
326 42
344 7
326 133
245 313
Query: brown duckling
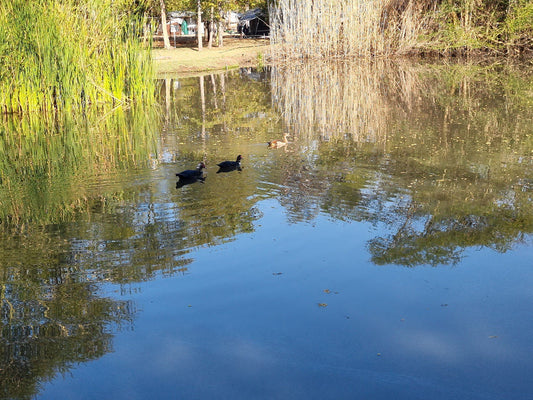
276 144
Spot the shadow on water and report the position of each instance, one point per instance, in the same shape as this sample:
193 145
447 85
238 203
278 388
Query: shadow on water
229 168
436 159
188 181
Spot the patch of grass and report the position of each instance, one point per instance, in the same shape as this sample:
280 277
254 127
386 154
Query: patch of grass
186 60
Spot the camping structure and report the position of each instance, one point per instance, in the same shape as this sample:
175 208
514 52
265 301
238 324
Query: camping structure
182 23
253 23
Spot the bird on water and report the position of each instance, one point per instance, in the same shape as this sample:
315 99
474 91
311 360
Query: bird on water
227 166
276 144
192 173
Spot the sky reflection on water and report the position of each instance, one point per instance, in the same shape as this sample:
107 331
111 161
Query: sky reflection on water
384 252
234 327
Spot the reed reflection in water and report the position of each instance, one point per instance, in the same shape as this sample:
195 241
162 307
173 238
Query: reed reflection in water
438 155
409 165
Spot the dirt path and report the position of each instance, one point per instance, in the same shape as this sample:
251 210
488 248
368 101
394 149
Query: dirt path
187 60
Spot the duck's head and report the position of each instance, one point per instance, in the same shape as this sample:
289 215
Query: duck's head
200 166
239 158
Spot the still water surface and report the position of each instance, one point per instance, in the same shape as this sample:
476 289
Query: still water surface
384 252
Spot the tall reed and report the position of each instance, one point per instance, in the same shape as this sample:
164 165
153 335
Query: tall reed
354 28
347 28
64 54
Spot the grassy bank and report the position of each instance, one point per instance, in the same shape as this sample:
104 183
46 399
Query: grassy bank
188 60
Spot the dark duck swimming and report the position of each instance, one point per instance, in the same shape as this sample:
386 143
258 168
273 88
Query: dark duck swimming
227 166
192 173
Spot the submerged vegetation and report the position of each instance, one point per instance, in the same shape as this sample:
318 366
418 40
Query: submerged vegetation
68 54
353 28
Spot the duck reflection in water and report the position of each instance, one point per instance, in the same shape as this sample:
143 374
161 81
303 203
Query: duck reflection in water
187 181
190 176
228 166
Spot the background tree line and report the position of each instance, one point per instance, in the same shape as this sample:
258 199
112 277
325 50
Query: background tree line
206 10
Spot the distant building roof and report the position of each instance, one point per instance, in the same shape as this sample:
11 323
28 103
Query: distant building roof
181 14
251 14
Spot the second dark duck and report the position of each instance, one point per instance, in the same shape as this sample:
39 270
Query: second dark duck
227 166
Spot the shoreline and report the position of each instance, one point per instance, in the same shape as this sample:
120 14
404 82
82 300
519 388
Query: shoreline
185 60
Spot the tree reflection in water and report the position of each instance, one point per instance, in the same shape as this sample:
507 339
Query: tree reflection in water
438 155
437 158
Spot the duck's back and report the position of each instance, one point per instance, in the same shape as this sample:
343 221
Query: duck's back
190 173
227 164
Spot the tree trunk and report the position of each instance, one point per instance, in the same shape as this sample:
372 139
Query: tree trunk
166 40
211 26
199 27
220 29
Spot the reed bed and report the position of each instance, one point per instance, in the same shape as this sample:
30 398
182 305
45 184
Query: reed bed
343 29
69 54
326 29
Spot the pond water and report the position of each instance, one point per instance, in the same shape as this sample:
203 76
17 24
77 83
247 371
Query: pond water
384 252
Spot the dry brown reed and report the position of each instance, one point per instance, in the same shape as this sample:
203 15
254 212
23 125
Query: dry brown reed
344 29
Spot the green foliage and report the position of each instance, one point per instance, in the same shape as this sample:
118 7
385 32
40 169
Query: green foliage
520 22
192 5
59 55
475 25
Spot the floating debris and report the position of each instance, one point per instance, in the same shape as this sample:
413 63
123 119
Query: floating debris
322 304
277 273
